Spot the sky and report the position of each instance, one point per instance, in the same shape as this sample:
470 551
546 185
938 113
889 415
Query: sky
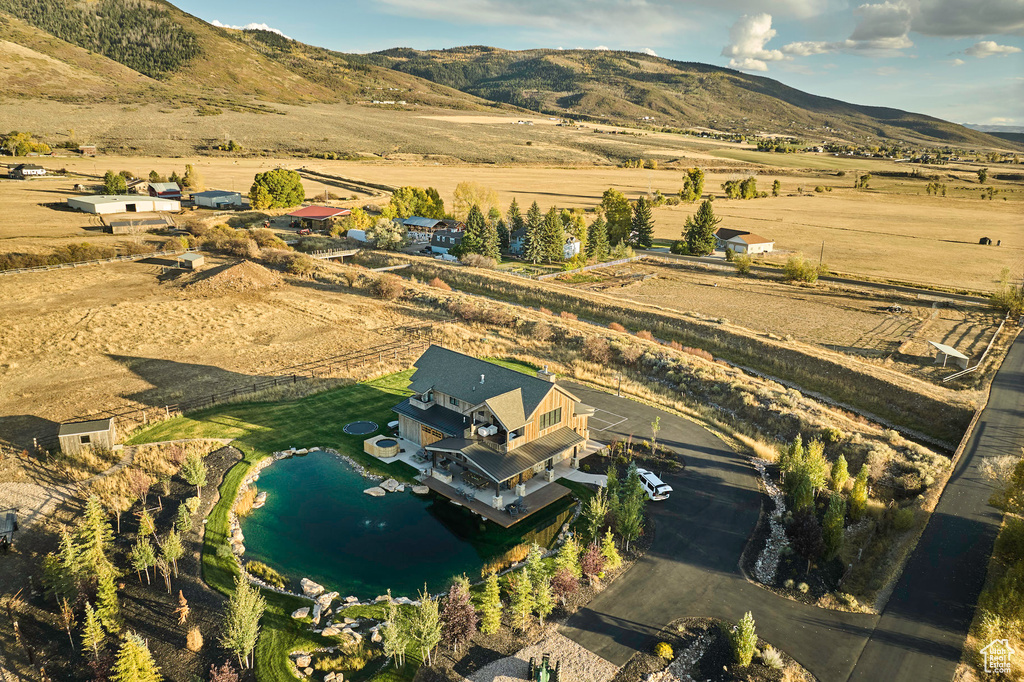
960 60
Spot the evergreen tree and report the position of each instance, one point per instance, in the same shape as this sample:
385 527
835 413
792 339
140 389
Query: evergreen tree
93 637
633 487
172 550
840 474
534 250
154 176
490 605
803 492
597 239
472 238
816 466
859 494
491 241
458 618
792 459
776 188
107 608
504 236
522 602
700 230
142 557
241 627
534 567
630 521
146 525
69 568
805 536
617 214
568 557
183 521
134 662
612 485
94 537
514 217
194 471
643 224
543 599
594 513
553 237
610 552
395 634
744 640
832 528
425 625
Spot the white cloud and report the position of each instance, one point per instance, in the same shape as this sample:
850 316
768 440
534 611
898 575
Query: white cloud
881 31
602 47
966 18
958 62
649 51
250 27
988 48
747 40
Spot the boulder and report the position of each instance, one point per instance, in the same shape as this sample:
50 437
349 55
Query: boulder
376 637
316 613
400 488
310 588
324 600
390 485
238 548
308 671
375 491
329 677
236 536
351 600
349 621
331 631
301 451
420 489
301 613
383 597
261 499
316 449
303 661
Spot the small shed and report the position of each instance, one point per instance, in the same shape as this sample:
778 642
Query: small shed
945 352
8 526
191 261
319 217
75 437
87 149
165 190
217 199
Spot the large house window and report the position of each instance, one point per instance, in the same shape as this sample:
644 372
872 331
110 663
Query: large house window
453 401
551 418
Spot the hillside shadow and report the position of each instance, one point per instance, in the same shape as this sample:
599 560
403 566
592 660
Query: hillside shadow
173 382
18 430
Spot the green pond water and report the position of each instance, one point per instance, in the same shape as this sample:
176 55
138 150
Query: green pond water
318 524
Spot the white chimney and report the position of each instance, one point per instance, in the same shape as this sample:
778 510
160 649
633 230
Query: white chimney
481 378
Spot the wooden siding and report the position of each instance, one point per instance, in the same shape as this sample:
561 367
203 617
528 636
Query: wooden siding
409 429
72 444
554 400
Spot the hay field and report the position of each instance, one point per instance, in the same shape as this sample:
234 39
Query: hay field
118 336
845 319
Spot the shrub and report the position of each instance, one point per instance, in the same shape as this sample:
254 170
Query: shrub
679 247
540 331
616 327
387 287
799 269
192 504
772 658
566 315
903 519
596 349
803 588
266 574
744 640
194 639
475 260
742 263
664 651
645 335
300 264
789 584
439 283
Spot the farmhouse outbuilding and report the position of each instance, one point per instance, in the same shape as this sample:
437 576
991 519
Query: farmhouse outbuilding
165 190
139 225
444 241
216 198
420 229
75 437
26 170
750 243
191 261
319 217
122 203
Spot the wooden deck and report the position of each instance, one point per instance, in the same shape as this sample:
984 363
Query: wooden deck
535 501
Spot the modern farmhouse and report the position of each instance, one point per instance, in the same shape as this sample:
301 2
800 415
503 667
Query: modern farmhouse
493 429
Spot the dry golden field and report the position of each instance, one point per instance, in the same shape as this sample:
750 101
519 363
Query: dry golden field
82 341
841 318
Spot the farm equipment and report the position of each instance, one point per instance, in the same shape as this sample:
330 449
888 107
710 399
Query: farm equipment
544 672
305 231
894 308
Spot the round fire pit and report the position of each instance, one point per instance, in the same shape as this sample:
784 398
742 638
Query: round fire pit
360 428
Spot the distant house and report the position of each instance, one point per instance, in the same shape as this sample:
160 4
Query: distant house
741 241
216 198
319 217
517 244
75 437
87 149
421 229
165 190
571 248
122 203
26 170
444 241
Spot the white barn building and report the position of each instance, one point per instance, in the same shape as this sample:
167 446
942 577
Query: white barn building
122 203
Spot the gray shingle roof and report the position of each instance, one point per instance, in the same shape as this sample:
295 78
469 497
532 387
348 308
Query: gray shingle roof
500 467
458 375
76 428
444 420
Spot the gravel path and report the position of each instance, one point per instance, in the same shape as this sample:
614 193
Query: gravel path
577 662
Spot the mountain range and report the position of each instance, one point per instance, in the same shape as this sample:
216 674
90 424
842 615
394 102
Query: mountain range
128 51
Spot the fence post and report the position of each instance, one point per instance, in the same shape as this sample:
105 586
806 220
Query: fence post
167 412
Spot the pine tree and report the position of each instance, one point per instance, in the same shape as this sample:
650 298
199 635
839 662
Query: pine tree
134 662
491 241
643 224
534 249
803 492
472 237
172 550
490 605
597 239
595 512
69 567
242 622
612 485
194 471
395 634
535 568
840 474
522 601
93 637
700 230
183 521
776 188
425 625
67 619
543 599
610 552
458 618
553 237
94 537
744 640
568 557
146 525
859 494
142 557
154 176
504 236
832 528
514 217
107 608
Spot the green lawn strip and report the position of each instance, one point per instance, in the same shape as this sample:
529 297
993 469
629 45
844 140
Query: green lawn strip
515 365
583 494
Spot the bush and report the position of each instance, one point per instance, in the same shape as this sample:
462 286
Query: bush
799 269
645 335
194 639
903 519
680 248
744 640
192 504
566 315
387 287
265 573
803 588
596 349
772 658
439 283
664 651
616 327
540 331
742 263
300 264
475 260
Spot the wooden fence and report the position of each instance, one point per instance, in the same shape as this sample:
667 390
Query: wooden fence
100 261
586 268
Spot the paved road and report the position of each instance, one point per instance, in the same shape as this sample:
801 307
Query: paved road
692 566
923 627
